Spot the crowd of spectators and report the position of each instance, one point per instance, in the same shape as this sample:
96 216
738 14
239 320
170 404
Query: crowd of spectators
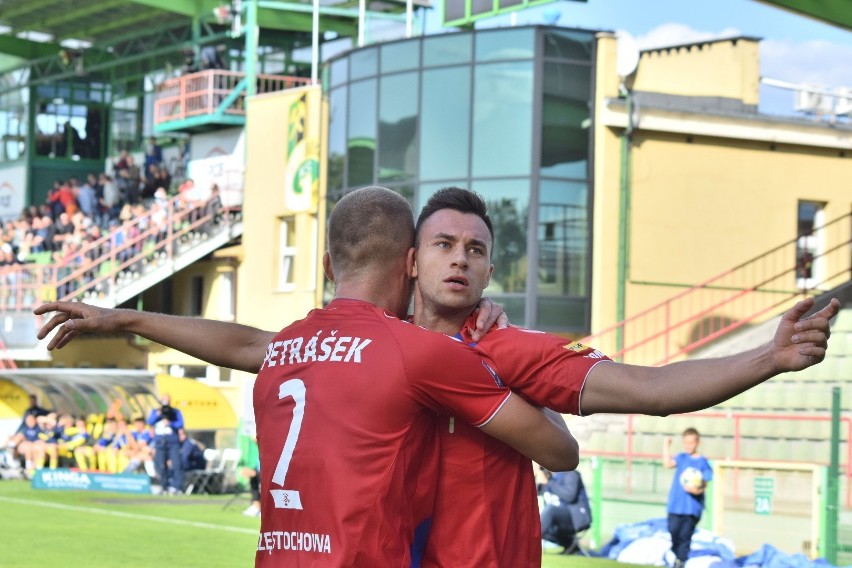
132 206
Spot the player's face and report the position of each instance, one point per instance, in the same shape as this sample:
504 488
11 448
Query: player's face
690 443
452 261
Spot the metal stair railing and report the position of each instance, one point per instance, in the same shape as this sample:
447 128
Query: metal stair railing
743 295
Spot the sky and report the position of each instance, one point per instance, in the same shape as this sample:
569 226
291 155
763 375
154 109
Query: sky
795 48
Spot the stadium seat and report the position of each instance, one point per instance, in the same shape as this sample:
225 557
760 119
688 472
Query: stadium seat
843 321
762 427
717 447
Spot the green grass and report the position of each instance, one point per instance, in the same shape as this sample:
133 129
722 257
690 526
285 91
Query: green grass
108 530
105 530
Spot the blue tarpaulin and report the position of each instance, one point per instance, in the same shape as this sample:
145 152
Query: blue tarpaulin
649 543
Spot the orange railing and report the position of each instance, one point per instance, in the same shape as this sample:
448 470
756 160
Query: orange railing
201 93
735 298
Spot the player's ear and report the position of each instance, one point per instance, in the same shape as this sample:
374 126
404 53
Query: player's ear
411 263
326 266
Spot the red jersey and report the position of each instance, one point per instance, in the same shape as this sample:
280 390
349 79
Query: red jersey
345 405
489 481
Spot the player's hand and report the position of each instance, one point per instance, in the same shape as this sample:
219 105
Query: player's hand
74 318
800 342
488 314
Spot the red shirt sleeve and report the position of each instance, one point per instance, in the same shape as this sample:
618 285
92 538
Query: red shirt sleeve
545 369
450 377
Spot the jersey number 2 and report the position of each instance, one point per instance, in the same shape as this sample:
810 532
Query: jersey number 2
289 498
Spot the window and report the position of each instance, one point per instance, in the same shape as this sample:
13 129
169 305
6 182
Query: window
362 133
196 296
227 296
810 244
286 254
398 128
400 56
447 49
502 119
444 124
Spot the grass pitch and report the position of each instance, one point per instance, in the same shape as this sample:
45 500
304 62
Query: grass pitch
107 530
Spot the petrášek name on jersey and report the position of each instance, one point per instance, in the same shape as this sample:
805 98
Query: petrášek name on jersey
316 349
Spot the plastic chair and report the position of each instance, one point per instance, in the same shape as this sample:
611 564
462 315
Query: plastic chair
198 480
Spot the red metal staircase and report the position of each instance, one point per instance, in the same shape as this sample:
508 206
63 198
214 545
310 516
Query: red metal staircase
739 297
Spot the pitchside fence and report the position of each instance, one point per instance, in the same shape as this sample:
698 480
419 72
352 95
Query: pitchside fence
793 506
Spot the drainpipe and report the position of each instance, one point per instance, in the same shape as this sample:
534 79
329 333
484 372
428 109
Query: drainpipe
624 221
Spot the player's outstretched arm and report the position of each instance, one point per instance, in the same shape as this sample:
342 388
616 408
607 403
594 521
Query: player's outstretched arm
686 386
219 343
535 434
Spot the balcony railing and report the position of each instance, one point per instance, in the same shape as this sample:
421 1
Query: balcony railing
214 91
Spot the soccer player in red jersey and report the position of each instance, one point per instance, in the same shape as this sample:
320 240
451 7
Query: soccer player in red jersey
489 481
345 399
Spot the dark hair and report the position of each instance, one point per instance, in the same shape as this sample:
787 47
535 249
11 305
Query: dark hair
365 228
691 432
457 199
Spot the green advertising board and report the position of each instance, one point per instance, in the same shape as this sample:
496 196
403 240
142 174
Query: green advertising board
764 488
465 12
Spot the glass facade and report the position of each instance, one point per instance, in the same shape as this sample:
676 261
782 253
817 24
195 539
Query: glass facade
504 112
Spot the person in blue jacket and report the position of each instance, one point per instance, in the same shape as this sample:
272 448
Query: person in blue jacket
686 496
167 421
191 453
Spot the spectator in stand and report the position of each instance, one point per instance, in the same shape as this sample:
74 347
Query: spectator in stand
133 176
187 185
153 153
8 257
211 57
68 195
111 197
212 208
150 183
54 201
63 228
167 420
164 178
87 198
121 162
